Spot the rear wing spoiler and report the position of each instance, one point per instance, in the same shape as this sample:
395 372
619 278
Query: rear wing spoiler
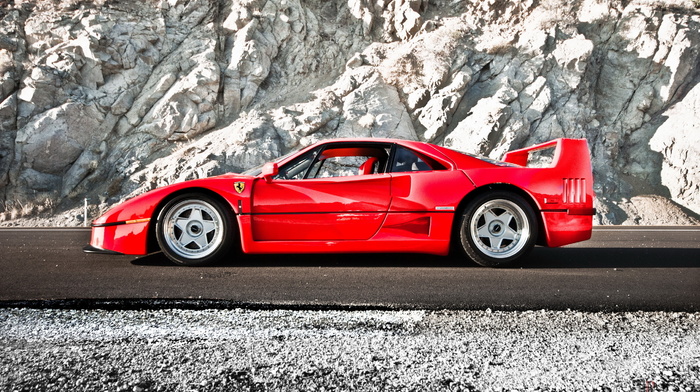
520 157
571 155
571 164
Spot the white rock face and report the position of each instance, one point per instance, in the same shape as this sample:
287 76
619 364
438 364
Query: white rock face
678 141
108 99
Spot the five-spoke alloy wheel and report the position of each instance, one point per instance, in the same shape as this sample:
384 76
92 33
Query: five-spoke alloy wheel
194 230
497 228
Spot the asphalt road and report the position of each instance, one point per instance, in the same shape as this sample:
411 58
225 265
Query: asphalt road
620 269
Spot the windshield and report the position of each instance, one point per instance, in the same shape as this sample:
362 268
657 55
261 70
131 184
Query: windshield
255 171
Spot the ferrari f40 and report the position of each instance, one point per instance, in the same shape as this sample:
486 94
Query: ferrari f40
366 195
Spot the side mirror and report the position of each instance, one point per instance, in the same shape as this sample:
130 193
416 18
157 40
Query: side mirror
270 170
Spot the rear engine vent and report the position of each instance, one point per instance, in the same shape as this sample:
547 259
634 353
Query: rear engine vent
574 190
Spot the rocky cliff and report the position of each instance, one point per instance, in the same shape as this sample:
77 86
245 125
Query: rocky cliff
108 98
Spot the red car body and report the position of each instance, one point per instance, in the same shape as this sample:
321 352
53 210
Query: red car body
380 207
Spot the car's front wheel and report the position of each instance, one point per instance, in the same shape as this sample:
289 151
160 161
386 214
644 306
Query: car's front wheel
497 229
194 230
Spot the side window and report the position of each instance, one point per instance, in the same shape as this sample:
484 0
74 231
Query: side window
406 160
342 166
342 161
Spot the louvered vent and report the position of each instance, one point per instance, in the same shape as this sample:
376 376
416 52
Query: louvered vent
574 190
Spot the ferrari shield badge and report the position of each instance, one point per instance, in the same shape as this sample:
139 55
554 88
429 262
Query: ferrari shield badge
239 186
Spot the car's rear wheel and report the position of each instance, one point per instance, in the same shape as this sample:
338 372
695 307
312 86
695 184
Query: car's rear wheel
194 230
497 229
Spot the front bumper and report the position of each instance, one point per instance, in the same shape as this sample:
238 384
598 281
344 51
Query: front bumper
126 238
92 249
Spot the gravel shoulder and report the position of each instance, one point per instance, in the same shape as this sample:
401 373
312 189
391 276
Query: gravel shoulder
238 349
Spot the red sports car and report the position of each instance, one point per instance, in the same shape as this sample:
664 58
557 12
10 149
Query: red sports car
366 195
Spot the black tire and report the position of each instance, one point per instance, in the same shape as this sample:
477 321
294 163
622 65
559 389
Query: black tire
195 230
498 228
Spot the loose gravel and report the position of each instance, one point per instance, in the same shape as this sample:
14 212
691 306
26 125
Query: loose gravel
369 350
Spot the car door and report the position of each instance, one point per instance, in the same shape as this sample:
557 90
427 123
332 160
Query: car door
425 194
338 192
422 184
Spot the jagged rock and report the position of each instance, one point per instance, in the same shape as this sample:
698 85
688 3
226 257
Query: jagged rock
52 142
644 210
355 61
38 181
107 99
183 99
8 133
374 110
678 142
407 17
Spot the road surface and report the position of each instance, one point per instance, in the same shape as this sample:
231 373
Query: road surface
619 269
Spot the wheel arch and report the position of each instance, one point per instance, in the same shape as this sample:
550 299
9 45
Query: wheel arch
152 244
492 188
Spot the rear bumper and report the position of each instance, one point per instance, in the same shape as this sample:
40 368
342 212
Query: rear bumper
574 211
582 211
566 227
